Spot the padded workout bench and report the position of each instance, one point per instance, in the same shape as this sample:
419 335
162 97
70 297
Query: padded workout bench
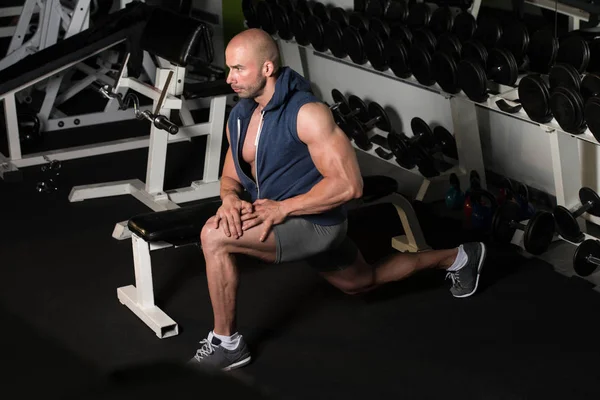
182 226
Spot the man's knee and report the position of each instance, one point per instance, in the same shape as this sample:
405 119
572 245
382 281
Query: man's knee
211 237
352 281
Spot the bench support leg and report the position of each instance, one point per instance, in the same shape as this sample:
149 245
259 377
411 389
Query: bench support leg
140 298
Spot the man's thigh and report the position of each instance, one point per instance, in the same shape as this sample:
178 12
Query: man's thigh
325 248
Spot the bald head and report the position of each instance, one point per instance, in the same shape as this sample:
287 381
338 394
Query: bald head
257 46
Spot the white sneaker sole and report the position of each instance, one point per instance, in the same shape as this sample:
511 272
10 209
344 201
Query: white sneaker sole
479 267
238 364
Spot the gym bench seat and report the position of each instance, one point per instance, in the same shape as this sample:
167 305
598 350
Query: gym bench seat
182 226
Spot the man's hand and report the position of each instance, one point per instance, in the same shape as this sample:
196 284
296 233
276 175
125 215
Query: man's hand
230 212
266 212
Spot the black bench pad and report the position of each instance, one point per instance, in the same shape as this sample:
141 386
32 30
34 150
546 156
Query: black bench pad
183 225
178 227
214 88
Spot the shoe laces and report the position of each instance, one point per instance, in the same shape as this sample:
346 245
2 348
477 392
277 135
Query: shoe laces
454 276
206 350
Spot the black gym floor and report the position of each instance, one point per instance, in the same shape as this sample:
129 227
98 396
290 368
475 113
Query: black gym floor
530 332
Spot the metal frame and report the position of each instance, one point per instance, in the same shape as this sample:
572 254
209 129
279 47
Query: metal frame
52 16
151 192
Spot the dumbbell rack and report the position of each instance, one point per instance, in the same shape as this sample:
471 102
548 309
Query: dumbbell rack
470 156
564 145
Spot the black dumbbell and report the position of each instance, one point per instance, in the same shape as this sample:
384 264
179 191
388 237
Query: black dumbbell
428 145
587 257
420 15
473 76
515 39
572 107
315 26
566 220
334 32
420 55
444 63
361 126
538 232
534 95
542 51
464 26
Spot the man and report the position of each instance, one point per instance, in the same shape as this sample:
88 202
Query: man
299 169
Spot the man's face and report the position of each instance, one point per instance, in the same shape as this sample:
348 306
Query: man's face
245 73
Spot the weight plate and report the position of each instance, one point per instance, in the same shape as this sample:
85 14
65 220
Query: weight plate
374 9
282 23
423 37
250 15
376 111
399 147
505 215
360 136
574 50
265 17
396 11
562 74
594 64
590 86
488 32
359 108
340 99
501 67
339 15
315 29
403 33
419 16
472 80
298 23
581 264
515 39
464 26
303 8
587 195
425 162
474 50
380 28
566 224
535 97
321 11
542 51
539 233
445 72
359 22
287 5
447 142
353 44
375 50
592 116
450 44
419 60
396 54
333 39
567 109
442 21
422 131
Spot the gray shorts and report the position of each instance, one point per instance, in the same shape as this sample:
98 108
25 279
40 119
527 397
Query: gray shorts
325 248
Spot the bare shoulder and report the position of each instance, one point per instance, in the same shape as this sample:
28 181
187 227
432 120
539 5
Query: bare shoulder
315 120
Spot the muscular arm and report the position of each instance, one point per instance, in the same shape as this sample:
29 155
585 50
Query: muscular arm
335 159
230 181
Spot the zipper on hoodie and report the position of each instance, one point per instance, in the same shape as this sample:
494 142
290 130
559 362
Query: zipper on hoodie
260 125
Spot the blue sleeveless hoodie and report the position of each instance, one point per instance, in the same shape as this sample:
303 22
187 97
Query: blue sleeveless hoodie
284 167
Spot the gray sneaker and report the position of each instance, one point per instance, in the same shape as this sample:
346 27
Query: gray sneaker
466 279
211 354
